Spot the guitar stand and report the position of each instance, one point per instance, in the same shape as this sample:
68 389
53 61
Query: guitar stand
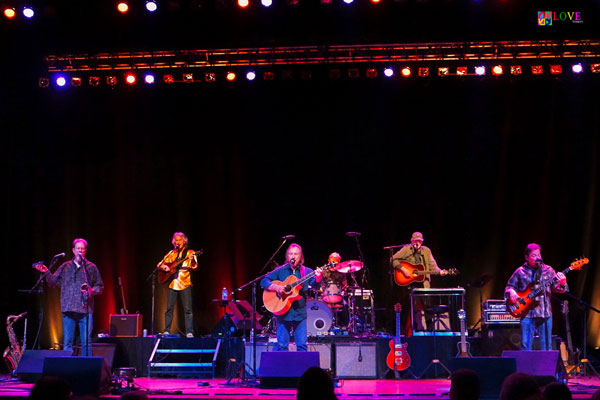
437 311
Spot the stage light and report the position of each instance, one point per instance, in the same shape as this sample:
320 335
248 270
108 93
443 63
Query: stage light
292 3
388 72
76 81
188 77
268 76
250 75
151 5
577 68
168 79
406 72
210 77
60 81
375 1
306 74
122 7
94 81
9 13
595 68
480 70
353 73
28 12
326 2
556 69
371 73
497 70
443 71
230 76
111 80
287 74
43 82
130 78
348 1
537 69
462 71
516 70
423 71
149 79
266 3
335 73
243 3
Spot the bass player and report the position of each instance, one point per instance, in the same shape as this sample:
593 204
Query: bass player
294 320
540 316
181 282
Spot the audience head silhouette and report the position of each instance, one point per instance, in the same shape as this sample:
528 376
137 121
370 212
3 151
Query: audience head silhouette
464 385
520 386
315 384
557 391
50 388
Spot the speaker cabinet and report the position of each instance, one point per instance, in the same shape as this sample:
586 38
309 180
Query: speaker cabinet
356 360
491 370
280 369
31 366
536 363
85 375
324 350
125 325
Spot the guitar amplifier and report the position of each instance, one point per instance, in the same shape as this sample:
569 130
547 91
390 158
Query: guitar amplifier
125 325
499 318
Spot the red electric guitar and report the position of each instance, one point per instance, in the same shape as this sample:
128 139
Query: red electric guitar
526 302
398 359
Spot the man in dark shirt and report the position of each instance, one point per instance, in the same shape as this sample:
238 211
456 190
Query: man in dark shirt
295 318
77 287
540 317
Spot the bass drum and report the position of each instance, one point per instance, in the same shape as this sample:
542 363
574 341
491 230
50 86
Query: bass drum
319 318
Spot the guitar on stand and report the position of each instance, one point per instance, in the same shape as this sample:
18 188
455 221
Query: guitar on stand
464 347
568 355
527 298
417 273
398 359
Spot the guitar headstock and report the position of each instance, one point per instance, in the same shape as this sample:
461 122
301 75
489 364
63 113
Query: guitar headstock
577 264
453 271
397 307
462 314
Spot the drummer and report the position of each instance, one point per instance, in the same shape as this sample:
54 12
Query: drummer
334 277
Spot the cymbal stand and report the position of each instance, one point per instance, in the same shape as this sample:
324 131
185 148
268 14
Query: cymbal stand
364 282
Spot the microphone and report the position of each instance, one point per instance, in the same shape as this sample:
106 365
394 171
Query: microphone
22 314
287 237
353 234
59 255
292 261
539 260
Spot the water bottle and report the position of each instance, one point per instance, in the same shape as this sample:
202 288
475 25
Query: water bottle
224 295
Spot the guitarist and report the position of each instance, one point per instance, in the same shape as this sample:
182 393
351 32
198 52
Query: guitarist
540 317
181 284
416 254
295 319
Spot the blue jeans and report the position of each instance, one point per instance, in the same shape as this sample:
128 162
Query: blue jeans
186 300
283 334
544 327
70 321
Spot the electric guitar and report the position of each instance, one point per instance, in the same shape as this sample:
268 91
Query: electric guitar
279 304
174 267
398 358
526 301
417 273
464 347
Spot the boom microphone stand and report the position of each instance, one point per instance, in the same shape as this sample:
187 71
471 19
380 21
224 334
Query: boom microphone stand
584 362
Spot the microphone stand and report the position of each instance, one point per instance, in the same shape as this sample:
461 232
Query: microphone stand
86 300
362 285
152 278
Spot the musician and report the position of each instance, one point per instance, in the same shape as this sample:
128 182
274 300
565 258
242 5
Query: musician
295 319
78 286
181 285
332 275
540 317
417 254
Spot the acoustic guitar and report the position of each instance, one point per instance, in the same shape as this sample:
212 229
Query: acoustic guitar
174 267
398 359
526 301
417 273
279 304
464 347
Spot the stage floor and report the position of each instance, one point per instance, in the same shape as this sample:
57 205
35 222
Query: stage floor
425 389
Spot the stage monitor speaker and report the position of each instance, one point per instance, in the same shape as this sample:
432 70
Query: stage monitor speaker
31 366
125 325
106 351
85 375
282 369
491 370
542 364
356 360
324 350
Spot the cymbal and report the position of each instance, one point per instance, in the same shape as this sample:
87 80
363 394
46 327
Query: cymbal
349 266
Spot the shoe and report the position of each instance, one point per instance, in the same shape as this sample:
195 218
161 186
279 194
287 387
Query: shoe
189 335
166 333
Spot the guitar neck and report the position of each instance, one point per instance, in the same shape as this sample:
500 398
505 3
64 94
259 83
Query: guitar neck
549 283
308 276
434 272
398 336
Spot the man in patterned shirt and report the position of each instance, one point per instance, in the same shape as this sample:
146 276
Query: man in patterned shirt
181 285
77 287
540 317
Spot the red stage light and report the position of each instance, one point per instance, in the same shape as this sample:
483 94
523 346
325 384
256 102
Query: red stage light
537 69
9 13
243 3
516 70
371 73
230 76
556 69
375 1
423 71
461 71
497 70
268 76
168 78
123 7
406 72
443 71
130 78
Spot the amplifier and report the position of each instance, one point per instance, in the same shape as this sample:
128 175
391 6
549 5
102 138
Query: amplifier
494 305
499 318
125 325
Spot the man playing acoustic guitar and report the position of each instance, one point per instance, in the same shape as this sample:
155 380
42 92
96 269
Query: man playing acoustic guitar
540 316
295 318
180 282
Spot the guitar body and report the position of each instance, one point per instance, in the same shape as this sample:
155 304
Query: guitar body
174 268
412 269
464 347
461 353
398 358
526 302
280 304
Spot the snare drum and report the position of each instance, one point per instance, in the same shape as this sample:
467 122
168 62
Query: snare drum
319 318
332 292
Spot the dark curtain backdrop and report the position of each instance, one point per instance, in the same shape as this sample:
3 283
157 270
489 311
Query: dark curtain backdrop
481 166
